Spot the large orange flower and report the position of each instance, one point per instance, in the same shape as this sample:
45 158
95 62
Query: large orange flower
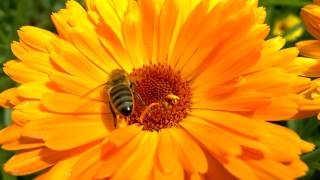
205 64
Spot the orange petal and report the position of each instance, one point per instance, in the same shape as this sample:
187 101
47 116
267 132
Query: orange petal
281 108
111 12
220 145
61 170
7 96
113 160
218 92
218 55
22 74
310 16
10 133
72 61
276 145
33 90
248 127
167 24
189 28
216 170
282 82
290 136
298 168
227 67
39 42
196 177
303 66
190 153
167 153
74 15
88 44
274 57
150 14
210 52
80 130
62 27
121 136
132 35
73 104
28 110
75 85
239 101
32 161
144 156
273 45
23 143
238 168
176 174
309 48
39 61
88 164
265 169
113 44
18 49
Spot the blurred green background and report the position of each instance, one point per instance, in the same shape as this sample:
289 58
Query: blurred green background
282 16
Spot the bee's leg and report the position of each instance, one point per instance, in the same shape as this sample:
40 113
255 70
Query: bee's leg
114 115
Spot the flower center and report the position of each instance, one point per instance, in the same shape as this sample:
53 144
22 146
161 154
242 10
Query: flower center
162 97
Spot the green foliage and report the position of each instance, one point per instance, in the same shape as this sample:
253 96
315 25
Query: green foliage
16 13
285 3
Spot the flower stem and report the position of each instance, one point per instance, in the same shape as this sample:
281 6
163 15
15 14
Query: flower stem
7 117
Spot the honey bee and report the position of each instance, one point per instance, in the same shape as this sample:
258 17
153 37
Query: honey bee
120 93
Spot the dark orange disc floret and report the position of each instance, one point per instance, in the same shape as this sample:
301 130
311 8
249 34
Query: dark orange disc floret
154 84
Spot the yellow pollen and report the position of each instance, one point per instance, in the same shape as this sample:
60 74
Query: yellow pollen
173 98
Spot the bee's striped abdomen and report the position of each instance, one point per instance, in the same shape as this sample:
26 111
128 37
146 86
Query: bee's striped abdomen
121 99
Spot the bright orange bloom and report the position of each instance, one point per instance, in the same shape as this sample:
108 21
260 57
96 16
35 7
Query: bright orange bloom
209 81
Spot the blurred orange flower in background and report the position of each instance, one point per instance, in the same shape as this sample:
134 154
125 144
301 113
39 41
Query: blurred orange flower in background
310 15
210 54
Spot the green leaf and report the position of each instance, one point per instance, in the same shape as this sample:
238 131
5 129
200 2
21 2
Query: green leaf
1 120
312 157
294 125
7 117
4 156
294 3
5 83
309 127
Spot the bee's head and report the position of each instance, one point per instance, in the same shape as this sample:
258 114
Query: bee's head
118 76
